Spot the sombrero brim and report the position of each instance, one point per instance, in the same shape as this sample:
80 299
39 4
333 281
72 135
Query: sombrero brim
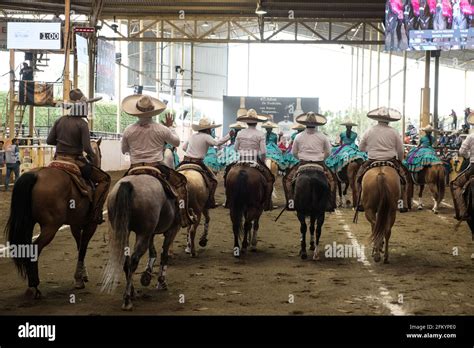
269 125
297 127
352 124
129 105
198 128
470 118
303 119
237 126
385 115
429 129
248 119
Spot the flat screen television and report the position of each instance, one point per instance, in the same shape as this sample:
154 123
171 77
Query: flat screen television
429 25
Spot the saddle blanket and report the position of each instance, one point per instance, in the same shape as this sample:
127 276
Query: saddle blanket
74 172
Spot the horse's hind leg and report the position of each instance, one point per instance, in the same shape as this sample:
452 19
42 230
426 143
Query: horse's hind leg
131 264
81 276
420 197
203 240
46 236
192 236
247 228
436 197
303 228
319 228
169 237
339 189
253 243
145 279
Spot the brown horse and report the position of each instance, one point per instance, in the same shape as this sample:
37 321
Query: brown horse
347 176
380 198
49 197
434 176
245 194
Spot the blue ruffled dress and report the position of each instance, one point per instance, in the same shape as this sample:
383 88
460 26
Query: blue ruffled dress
345 153
422 156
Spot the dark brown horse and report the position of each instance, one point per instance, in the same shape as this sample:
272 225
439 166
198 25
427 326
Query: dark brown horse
245 194
347 176
49 197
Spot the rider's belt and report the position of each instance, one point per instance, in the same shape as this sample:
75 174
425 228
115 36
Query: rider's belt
192 159
144 164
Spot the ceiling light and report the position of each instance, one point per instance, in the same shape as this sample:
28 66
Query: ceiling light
213 35
205 24
260 10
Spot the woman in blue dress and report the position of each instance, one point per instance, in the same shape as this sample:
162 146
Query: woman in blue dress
291 160
424 154
273 151
229 155
212 156
347 151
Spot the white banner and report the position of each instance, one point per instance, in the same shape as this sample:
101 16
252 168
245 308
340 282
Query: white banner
81 47
34 36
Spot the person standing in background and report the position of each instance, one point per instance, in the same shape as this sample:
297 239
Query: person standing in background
454 124
466 115
2 160
12 159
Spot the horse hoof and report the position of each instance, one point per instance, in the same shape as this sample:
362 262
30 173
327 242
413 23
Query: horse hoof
311 247
162 286
80 284
420 208
203 242
193 254
253 248
187 250
127 306
435 211
85 279
377 258
32 293
315 257
304 256
145 279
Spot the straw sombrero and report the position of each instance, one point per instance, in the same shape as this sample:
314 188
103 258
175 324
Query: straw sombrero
238 125
429 128
311 119
204 123
142 105
385 114
269 124
349 123
298 126
470 118
76 96
241 112
252 117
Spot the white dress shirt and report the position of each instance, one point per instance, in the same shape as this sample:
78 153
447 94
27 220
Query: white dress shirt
467 147
311 145
198 144
145 141
382 142
250 143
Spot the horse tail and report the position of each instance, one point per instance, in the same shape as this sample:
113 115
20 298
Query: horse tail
20 224
119 217
239 199
383 210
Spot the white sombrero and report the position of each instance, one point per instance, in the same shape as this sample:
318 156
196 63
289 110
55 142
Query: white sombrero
470 118
204 123
238 125
241 112
349 123
298 126
429 128
142 105
311 119
252 117
269 124
385 114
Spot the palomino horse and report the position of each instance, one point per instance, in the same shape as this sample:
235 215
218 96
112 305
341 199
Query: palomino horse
435 177
380 195
312 195
49 197
245 194
138 203
347 176
273 166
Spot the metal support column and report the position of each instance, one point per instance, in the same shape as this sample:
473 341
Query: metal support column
11 113
404 91
362 80
436 89
378 70
389 78
192 83
67 41
357 80
370 71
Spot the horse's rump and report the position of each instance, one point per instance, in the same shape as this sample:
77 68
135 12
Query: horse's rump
371 196
311 192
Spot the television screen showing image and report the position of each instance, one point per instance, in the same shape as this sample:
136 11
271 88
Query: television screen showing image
429 25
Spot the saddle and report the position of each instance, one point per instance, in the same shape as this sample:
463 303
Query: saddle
309 167
74 172
377 164
157 174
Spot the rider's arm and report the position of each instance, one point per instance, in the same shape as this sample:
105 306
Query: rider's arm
171 137
51 140
466 147
399 147
185 146
86 140
327 147
213 142
295 147
237 142
363 142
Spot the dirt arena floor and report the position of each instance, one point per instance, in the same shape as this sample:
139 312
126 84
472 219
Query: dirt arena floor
430 271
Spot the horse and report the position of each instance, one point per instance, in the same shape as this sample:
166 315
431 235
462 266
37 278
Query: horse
274 169
435 177
393 25
470 207
347 177
168 158
138 203
312 194
245 195
48 196
380 194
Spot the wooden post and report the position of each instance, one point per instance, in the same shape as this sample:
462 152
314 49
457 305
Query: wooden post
31 122
370 71
11 114
91 79
67 40
76 72
425 116
404 91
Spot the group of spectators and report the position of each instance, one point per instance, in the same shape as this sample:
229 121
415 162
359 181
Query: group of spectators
9 158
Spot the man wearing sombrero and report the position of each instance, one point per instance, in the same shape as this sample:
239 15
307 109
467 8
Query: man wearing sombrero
196 148
145 142
457 185
70 134
384 143
250 145
310 146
